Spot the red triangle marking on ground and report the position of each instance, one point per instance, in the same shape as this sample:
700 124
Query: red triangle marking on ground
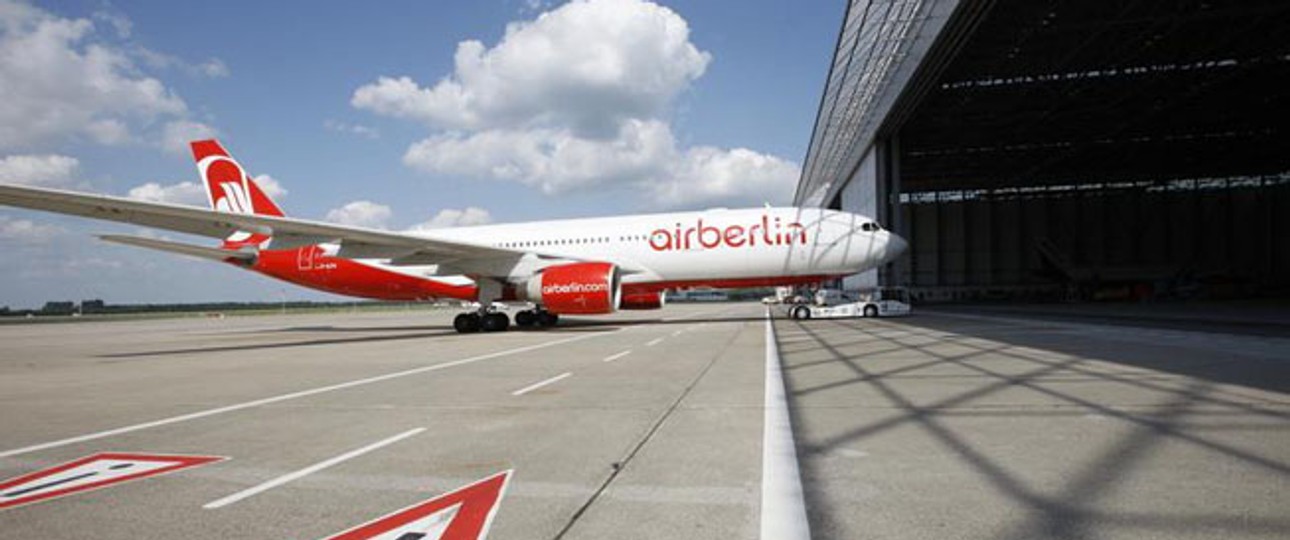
90 473
464 514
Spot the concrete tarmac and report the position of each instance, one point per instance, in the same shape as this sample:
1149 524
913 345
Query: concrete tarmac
932 426
963 426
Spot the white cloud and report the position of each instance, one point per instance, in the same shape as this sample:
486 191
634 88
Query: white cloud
714 175
586 65
63 79
644 156
452 217
176 135
26 231
361 214
352 129
48 170
552 160
119 22
578 99
213 68
533 6
108 131
270 186
189 193
377 216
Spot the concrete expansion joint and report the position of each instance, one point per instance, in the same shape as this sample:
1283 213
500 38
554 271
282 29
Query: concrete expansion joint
618 467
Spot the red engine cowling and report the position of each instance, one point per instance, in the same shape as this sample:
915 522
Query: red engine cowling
652 300
578 289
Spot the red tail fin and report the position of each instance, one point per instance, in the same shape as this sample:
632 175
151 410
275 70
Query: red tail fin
228 187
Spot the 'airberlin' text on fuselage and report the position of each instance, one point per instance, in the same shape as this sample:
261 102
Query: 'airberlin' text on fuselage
575 288
767 233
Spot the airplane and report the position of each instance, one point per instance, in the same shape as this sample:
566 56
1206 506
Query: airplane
590 266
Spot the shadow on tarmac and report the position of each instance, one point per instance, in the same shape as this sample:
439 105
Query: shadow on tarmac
1079 508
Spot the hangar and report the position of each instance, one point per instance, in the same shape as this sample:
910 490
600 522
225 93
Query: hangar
1063 148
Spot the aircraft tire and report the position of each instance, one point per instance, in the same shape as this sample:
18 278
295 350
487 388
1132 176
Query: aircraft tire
546 318
525 318
495 322
466 323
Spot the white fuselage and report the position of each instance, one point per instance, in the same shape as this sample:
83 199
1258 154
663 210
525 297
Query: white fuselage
716 246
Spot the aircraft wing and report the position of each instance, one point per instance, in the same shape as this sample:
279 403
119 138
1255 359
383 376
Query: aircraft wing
356 242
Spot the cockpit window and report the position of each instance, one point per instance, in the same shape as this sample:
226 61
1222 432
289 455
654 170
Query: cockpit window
870 227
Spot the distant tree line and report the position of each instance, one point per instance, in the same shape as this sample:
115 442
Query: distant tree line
99 307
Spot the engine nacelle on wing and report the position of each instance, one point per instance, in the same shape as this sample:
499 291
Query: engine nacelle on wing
590 288
652 300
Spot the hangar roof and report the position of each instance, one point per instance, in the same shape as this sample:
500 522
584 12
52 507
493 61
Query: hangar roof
879 47
1031 93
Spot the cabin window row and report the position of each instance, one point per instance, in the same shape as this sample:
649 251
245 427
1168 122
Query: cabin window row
568 241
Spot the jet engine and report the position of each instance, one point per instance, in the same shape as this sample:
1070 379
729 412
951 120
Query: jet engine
589 288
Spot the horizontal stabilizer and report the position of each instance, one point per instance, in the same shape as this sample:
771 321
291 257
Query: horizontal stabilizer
182 249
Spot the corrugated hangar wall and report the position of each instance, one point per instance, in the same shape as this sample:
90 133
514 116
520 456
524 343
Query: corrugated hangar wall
860 195
1104 241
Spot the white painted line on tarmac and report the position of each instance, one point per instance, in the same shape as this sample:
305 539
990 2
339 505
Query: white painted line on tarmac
654 342
613 357
537 385
783 506
693 315
308 470
678 332
292 395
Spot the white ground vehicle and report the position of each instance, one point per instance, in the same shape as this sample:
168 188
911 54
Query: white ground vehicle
833 304
782 295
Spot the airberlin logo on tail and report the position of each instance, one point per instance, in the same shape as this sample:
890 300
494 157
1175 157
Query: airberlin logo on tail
227 185
769 232
235 199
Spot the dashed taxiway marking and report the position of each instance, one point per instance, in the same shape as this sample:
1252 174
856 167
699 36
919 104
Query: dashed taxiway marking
308 470
540 384
613 357
654 342
292 395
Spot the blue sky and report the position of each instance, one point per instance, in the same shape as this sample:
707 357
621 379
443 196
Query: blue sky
377 115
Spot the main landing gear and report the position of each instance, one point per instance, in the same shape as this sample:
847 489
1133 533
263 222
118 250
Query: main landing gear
539 317
491 320
486 321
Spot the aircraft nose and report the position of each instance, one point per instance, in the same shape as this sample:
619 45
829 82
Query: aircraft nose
896 246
